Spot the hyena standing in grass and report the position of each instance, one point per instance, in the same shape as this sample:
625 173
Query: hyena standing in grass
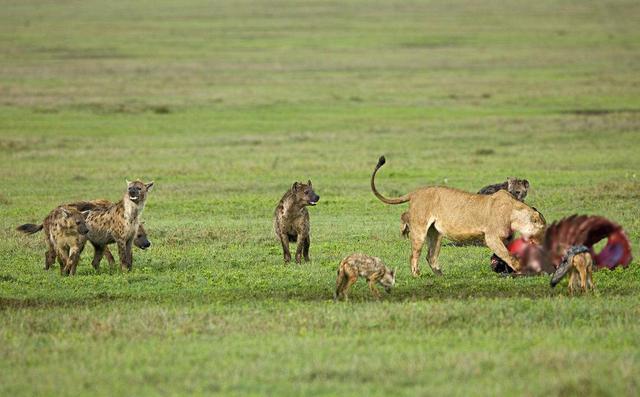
368 267
291 219
141 240
65 232
118 224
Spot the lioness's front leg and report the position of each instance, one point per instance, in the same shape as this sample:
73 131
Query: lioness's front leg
497 246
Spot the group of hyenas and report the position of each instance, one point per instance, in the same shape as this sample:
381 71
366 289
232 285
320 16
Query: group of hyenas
68 227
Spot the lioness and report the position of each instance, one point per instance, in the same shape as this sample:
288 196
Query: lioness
437 211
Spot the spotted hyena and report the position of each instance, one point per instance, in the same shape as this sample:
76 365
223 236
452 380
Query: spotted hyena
368 267
65 233
291 219
141 240
517 187
118 224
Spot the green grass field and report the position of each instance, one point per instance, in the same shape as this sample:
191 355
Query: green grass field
224 105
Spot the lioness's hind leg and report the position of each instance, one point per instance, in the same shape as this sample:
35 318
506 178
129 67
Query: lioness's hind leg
434 241
417 235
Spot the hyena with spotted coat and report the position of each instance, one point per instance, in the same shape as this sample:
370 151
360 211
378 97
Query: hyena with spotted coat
369 267
118 224
517 187
65 232
141 240
291 219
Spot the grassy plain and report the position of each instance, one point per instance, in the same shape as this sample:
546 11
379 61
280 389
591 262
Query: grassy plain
226 103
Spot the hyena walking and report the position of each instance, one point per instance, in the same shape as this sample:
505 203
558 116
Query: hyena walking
291 220
141 240
118 224
65 232
369 267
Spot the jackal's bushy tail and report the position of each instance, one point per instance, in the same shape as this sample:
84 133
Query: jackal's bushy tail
395 200
29 228
566 263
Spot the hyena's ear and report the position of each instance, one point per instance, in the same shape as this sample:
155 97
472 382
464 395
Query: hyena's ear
85 214
510 182
393 272
149 186
526 183
127 181
309 182
294 187
65 212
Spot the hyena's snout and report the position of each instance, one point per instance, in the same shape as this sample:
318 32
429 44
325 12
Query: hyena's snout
313 200
83 229
134 192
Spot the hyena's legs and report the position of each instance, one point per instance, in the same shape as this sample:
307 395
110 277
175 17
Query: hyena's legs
74 258
124 251
284 240
299 247
98 252
434 241
109 256
63 259
417 235
305 248
50 255
496 245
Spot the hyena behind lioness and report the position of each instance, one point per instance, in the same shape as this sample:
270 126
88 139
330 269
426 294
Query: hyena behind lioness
291 219
65 232
369 267
517 187
118 224
140 240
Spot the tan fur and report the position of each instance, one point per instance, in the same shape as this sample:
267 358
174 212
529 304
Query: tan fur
118 224
404 224
368 267
65 233
581 273
141 241
437 212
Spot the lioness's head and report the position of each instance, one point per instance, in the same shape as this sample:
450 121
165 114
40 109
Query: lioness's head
303 193
529 222
73 220
518 188
389 279
137 191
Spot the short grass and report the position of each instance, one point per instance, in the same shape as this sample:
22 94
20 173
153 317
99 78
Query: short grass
225 104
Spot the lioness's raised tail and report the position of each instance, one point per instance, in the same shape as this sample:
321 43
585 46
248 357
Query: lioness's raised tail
396 200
